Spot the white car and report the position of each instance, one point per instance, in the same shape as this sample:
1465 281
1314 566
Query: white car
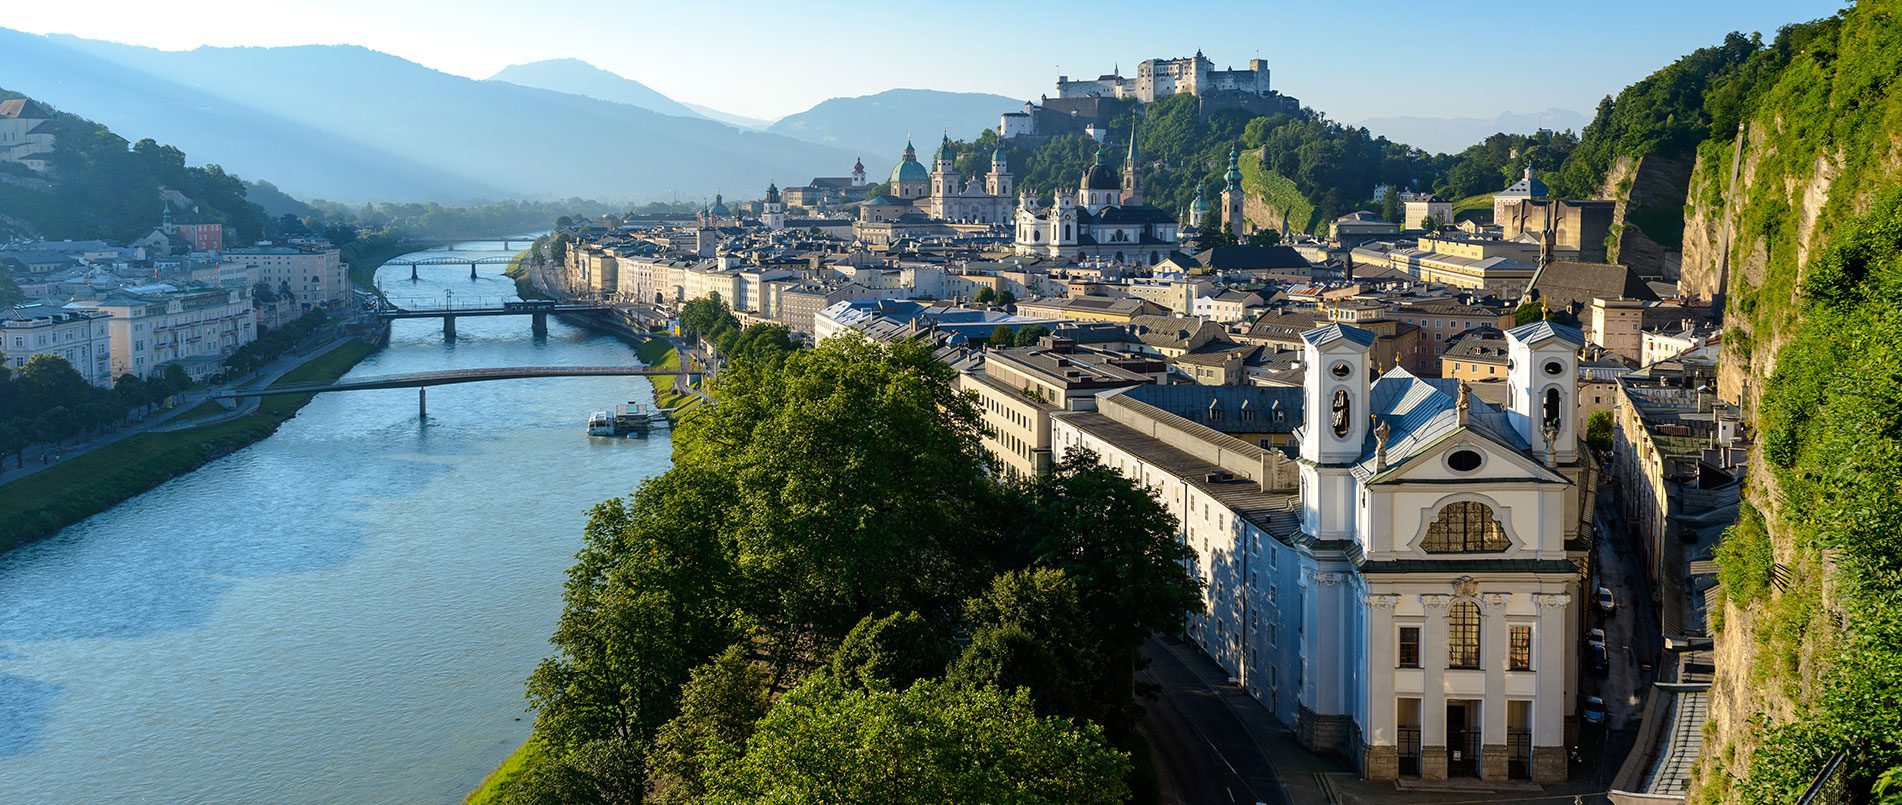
1605 601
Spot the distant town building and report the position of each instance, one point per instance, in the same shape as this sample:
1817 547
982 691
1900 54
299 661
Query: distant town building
82 337
27 133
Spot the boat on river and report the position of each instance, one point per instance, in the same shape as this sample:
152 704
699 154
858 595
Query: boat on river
631 419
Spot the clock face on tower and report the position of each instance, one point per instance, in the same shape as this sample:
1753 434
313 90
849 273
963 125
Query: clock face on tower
1340 412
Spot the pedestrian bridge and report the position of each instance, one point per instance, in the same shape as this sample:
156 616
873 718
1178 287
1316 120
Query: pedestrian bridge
423 380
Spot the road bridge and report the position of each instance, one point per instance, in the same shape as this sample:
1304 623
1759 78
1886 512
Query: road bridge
538 310
442 260
421 381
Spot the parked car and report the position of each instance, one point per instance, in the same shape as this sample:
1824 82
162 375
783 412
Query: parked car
1595 637
1605 601
1601 662
1594 710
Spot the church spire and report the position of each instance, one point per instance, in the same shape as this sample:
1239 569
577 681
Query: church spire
1132 186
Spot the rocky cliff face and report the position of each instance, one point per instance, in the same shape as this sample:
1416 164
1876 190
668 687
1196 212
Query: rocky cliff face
1793 222
1650 214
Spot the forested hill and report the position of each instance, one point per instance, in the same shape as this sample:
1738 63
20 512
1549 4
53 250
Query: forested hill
105 187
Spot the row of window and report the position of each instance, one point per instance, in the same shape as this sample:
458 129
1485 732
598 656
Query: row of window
1462 641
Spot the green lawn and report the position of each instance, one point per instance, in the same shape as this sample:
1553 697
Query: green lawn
496 785
47 501
203 410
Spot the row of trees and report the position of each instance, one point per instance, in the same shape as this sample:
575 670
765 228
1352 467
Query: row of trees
48 402
829 599
272 343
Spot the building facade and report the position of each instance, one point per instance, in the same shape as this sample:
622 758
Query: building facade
82 337
1404 588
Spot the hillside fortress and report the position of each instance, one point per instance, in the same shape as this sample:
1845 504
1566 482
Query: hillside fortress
1162 78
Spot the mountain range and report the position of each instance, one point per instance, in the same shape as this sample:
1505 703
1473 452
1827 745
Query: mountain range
879 124
348 123
1451 135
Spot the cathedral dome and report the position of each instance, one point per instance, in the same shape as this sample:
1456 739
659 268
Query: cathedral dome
1201 204
720 208
910 171
1100 177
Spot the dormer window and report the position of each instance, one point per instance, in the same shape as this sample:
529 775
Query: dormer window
1215 412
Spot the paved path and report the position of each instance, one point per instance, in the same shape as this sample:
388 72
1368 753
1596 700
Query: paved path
160 422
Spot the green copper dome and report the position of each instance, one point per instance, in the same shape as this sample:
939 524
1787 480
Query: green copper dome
910 170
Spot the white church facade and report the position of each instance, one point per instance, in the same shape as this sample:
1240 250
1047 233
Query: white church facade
1106 220
1390 565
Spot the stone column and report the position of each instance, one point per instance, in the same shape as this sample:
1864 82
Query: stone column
1550 704
1380 755
1493 648
1433 657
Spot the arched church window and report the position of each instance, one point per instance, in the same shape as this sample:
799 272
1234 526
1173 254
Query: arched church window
1553 408
1467 526
1066 231
1462 635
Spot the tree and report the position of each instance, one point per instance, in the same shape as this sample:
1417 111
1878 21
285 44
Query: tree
645 603
1527 313
1006 298
896 650
1266 237
1213 233
1598 431
1001 336
1118 545
850 481
708 317
564 222
826 742
10 293
1030 630
1431 223
718 707
12 443
1028 336
985 296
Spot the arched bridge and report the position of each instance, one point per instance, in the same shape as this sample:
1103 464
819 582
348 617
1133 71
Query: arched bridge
422 380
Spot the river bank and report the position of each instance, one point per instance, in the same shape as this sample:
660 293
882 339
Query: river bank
41 504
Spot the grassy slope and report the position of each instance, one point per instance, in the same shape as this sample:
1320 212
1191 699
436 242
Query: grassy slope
1278 192
496 785
45 502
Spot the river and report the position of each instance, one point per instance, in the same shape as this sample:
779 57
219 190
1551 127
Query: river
342 612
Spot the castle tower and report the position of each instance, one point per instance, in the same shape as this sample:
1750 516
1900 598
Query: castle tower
1232 194
773 213
1132 189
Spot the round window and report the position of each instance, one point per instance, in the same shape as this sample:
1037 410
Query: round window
1554 368
1463 460
1341 370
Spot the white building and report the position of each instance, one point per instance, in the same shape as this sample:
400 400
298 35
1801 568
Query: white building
1105 220
26 133
313 273
197 328
1404 590
82 337
1161 78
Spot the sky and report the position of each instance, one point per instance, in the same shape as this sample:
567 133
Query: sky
1352 59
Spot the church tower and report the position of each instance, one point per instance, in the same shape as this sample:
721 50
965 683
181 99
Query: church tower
773 213
1199 209
1334 430
1232 193
858 172
944 177
1132 189
999 184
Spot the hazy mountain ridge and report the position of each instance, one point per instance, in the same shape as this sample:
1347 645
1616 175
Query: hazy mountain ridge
348 123
577 77
878 124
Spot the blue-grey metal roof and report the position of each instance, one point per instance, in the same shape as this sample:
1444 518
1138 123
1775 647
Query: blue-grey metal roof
1275 409
1336 331
1541 330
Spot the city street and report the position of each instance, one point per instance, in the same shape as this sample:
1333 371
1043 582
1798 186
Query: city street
1204 752
1632 638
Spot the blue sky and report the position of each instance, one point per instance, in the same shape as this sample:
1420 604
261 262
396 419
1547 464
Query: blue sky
1350 58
